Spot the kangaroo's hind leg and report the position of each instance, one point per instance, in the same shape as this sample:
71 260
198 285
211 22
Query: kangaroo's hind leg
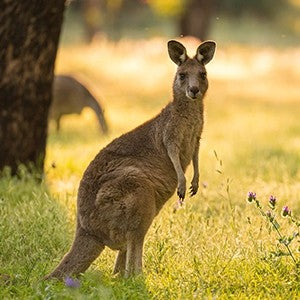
84 251
134 256
120 262
143 213
57 121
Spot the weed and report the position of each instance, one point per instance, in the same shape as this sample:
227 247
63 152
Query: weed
271 217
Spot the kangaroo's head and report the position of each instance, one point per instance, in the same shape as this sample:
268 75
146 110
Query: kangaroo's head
190 81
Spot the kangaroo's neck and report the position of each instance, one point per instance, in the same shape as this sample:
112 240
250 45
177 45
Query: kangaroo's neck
185 106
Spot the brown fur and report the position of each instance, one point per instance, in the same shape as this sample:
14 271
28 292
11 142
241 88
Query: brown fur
129 181
71 97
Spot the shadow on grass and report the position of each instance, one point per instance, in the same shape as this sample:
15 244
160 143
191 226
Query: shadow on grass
94 285
33 232
106 286
34 237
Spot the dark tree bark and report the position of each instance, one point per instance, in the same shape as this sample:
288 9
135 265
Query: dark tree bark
196 18
29 35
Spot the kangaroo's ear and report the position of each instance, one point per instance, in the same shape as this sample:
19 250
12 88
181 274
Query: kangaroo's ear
205 52
177 52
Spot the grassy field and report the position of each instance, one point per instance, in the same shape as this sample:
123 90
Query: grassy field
217 246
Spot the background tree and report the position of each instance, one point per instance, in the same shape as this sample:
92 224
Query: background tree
267 9
197 15
195 19
92 11
100 14
30 32
117 19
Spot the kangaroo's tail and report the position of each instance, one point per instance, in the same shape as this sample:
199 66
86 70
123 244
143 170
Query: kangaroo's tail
84 251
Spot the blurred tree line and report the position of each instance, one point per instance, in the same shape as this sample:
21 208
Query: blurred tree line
30 31
189 17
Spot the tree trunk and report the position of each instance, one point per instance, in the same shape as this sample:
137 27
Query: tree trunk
29 35
92 17
196 18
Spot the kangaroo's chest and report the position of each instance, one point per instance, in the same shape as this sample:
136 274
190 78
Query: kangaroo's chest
189 142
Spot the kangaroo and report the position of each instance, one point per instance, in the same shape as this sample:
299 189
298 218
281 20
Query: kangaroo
130 180
71 97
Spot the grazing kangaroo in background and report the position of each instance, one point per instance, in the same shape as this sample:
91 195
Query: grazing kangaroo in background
129 181
71 97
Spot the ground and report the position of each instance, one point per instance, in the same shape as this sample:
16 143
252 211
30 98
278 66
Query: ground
215 246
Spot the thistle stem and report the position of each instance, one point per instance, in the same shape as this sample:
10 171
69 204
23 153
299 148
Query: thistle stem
287 247
277 230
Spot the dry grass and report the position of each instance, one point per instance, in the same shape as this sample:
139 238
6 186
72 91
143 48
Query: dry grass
216 246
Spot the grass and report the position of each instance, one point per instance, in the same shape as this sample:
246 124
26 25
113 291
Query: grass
216 246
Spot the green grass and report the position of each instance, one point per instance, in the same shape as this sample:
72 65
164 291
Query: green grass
215 247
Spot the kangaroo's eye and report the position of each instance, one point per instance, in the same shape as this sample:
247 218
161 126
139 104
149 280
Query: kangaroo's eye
203 75
182 76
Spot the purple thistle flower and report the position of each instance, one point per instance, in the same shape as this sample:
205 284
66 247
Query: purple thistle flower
251 197
286 211
272 201
72 283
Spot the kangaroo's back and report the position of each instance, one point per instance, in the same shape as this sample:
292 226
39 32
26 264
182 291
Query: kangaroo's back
71 97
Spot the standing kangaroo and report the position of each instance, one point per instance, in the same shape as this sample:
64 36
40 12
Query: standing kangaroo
129 181
71 97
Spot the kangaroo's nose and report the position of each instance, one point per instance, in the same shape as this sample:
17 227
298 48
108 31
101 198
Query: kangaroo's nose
194 90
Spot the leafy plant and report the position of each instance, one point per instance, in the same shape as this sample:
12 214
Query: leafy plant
271 218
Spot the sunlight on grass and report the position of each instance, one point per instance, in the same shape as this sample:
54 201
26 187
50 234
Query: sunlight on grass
216 246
